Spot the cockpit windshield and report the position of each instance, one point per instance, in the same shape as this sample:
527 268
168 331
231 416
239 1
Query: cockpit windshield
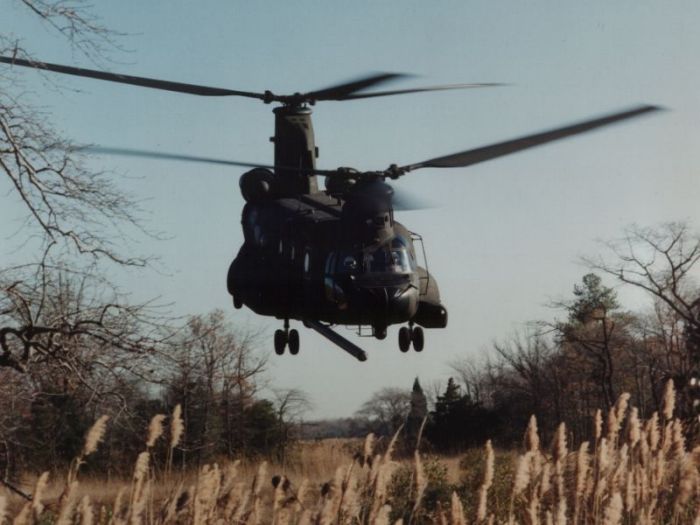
391 257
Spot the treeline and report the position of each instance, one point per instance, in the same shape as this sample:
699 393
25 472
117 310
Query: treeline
568 367
213 374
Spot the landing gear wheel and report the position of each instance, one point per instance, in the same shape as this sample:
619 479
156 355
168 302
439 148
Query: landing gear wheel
293 342
379 332
417 339
404 339
280 341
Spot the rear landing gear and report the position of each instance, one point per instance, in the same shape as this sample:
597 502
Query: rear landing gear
286 338
410 334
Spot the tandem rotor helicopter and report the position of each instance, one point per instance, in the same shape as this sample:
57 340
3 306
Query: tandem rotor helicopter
335 256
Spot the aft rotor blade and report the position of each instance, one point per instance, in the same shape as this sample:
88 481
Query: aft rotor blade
166 85
126 152
419 90
343 91
500 149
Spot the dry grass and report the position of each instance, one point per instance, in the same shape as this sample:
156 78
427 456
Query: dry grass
634 472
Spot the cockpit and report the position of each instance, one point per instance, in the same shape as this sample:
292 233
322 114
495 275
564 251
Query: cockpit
390 257
379 276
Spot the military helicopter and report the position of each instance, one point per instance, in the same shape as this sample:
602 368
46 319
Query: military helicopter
336 256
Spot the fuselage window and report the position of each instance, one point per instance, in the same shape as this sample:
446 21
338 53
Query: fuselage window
307 261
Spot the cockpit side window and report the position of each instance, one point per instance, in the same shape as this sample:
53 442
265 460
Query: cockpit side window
400 243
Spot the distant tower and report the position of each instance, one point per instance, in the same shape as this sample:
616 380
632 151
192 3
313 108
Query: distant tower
418 413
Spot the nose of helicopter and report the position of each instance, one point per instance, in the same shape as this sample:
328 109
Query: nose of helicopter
396 304
403 302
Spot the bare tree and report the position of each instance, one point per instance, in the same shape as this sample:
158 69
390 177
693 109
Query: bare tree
387 408
214 373
72 207
661 261
58 303
659 353
15 399
523 371
76 21
473 374
75 320
65 331
290 404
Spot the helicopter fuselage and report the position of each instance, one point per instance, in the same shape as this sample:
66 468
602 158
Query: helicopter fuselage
307 258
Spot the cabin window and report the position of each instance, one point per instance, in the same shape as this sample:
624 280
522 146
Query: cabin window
334 292
330 263
307 261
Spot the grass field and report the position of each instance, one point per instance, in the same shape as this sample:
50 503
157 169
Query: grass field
633 471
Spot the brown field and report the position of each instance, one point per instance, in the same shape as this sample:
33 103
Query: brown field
632 472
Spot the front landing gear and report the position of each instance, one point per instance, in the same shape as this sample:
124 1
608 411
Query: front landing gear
410 334
286 337
379 331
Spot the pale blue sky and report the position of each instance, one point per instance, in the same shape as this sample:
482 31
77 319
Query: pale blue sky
506 238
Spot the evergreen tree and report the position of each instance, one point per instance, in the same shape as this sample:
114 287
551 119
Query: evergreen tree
458 422
416 416
596 333
593 300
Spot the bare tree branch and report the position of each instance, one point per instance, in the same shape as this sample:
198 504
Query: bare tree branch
661 261
77 22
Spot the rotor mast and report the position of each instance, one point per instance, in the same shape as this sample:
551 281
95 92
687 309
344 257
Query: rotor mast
295 149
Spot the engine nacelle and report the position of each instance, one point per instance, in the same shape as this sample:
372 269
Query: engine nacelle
258 185
339 186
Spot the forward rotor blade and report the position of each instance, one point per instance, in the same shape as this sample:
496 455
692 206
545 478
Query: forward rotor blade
135 81
126 152
484 153
405 201
342 91
419 90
